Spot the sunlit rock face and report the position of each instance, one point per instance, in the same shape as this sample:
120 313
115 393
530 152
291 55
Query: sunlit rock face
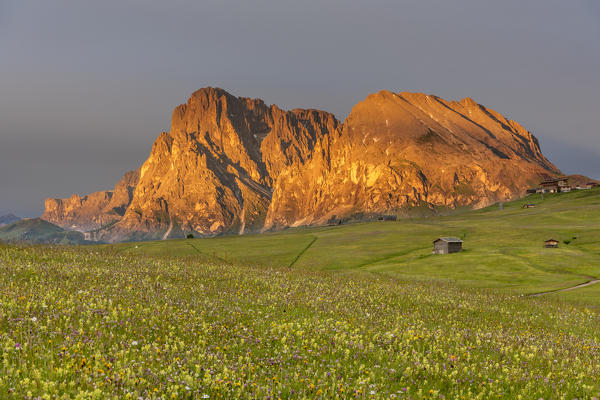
92 211
405 150
236 165
214 171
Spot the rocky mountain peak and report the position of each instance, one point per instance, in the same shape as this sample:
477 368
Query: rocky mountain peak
92 211
234 164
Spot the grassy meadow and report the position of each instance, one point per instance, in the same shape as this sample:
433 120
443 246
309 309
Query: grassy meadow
358 311
503 249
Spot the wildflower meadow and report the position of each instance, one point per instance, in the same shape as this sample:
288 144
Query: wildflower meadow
78 323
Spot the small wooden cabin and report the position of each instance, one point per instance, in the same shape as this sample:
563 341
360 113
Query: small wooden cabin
551 243
446 245
531 205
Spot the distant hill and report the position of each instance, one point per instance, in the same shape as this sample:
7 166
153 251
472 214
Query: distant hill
8 219
580 180
36 230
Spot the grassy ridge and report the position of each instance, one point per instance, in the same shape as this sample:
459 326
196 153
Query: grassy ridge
36 230
503 248
110 326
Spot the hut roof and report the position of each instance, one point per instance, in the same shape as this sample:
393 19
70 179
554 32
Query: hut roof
449 239
551 240
555 180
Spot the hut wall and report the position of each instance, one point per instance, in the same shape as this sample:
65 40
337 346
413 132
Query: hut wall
454 247
440 247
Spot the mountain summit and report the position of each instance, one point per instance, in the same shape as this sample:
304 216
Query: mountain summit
234 164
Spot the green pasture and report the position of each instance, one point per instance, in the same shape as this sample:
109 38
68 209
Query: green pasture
503 248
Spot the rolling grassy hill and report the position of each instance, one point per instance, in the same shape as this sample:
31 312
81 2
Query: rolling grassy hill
36 230
503 249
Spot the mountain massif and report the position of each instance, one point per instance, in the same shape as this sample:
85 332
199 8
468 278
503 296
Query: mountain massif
236 165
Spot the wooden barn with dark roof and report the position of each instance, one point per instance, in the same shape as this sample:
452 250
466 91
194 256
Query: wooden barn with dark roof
446 245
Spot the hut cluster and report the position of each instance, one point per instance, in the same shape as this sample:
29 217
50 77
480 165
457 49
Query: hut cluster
559 185
447 245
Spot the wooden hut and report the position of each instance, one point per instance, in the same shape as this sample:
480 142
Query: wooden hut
551 243
446 245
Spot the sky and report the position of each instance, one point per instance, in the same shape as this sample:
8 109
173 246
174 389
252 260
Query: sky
87 86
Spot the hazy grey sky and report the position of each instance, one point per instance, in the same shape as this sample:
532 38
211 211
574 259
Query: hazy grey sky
86 86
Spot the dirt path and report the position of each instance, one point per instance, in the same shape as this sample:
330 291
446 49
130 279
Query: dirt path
168 232
581 285
302 252
206 254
